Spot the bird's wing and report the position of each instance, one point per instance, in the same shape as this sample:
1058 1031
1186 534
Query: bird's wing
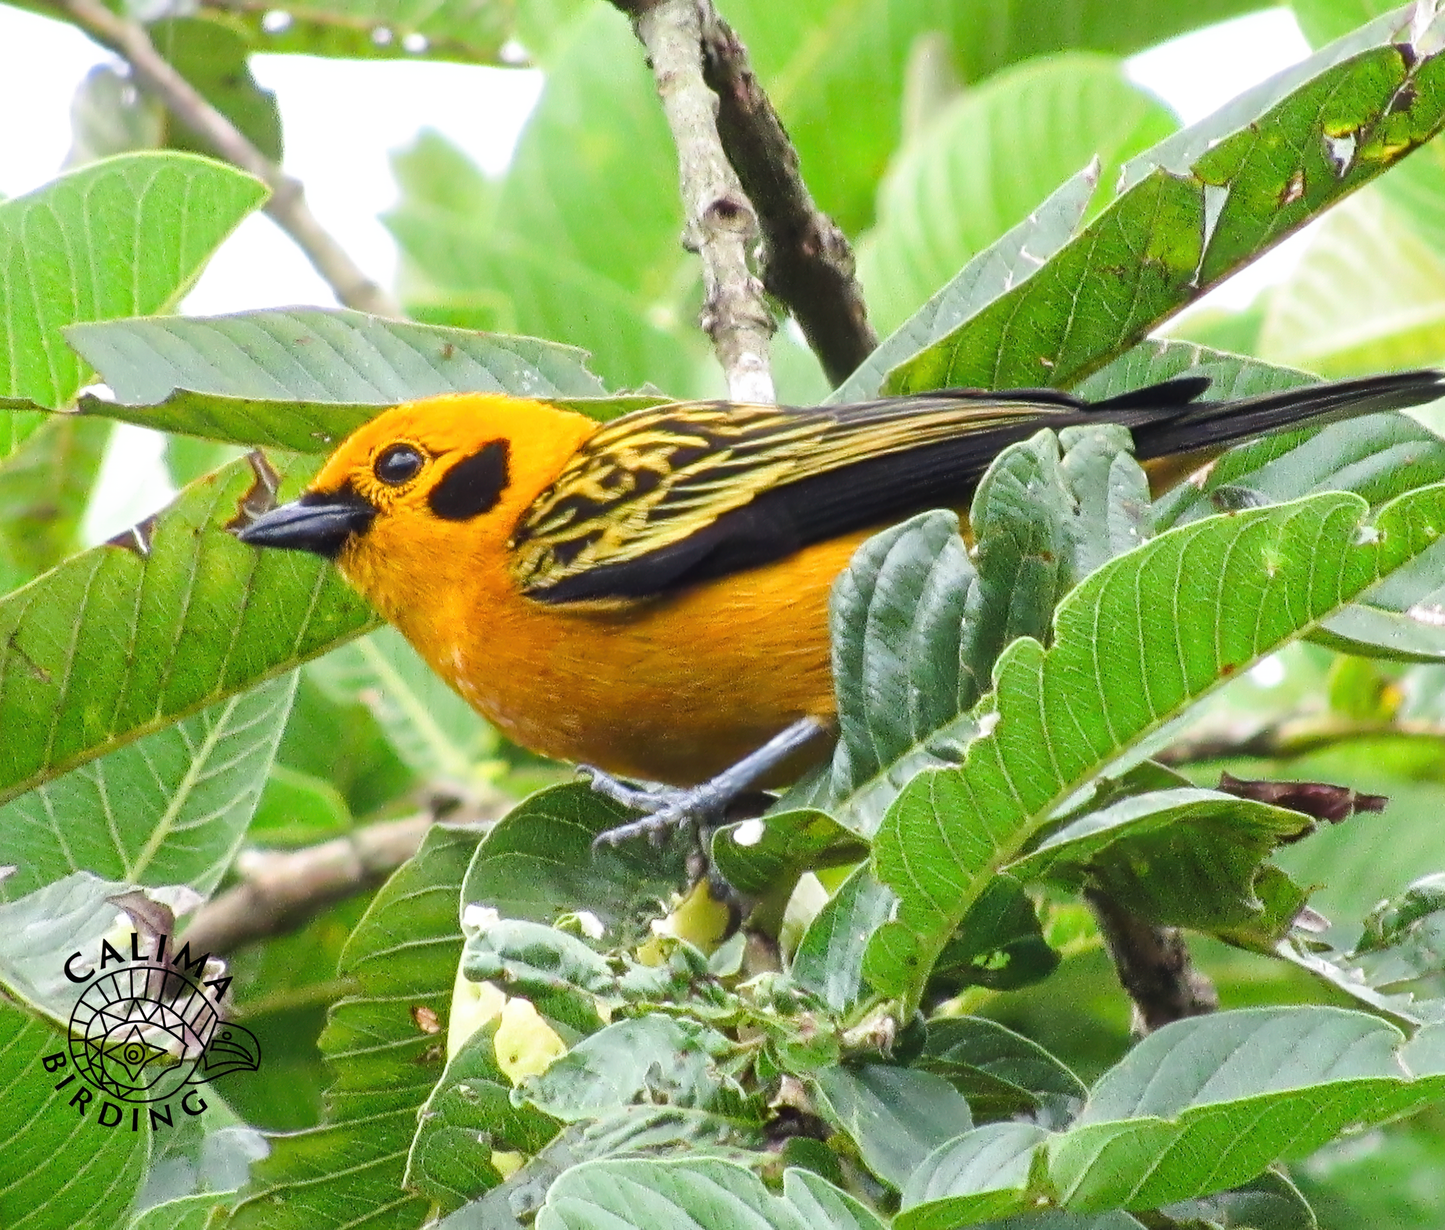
666 497
675 494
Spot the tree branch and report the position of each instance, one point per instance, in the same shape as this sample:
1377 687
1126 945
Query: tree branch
721 224
806 260
282 891
1153 967
287 206
1289 738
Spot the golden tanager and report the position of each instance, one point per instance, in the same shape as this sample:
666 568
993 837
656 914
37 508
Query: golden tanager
649 596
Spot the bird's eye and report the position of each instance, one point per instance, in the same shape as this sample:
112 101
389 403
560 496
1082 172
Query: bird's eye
397 464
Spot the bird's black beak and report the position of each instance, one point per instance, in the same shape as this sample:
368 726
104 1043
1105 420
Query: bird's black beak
317 522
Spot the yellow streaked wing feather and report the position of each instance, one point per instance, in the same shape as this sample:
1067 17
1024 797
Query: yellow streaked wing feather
652 478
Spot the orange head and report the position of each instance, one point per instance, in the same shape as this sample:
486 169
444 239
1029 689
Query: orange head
413 498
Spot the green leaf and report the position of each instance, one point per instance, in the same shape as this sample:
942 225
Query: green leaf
917 624
1368 295
1200 1106
652 1060
403 956
1269 1202
188 458
658 1195
124 639
1221 1097
109 116
468 1116
558 972
1194 209
1396 966
828 962
1001 1073
1010 260
987 37
897 616
630 343
1375 1179
557 189
185 1213
340 744
213 54
1000 943
1379 457
580 240
959 185
1323 20
124 236
975 1178
59 1168
1044 1219
788 844
896 1116
43 929
1185 857
171 808
303 378
811 61
1047 511
1231 375
45 486
1136 643
537 863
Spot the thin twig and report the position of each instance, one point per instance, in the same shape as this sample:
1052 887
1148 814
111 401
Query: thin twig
806 260
287 206
1153 967
721 224
282 891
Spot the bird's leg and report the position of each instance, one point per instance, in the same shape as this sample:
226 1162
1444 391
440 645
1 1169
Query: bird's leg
695 807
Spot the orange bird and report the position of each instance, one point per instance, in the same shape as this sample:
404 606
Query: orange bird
650 596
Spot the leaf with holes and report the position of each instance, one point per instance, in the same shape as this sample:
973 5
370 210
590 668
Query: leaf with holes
1009 261
1199 206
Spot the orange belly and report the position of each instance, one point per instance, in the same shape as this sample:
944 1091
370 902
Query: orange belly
673 690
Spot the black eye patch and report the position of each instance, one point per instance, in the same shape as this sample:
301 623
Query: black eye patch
472 486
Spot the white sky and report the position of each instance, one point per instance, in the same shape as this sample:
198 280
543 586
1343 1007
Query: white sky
342 118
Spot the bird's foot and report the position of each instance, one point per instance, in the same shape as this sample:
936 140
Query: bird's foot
695 809
669 808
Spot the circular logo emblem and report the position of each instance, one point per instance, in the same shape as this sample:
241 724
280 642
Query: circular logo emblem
141 1033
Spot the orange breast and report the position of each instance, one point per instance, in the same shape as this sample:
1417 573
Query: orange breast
671 691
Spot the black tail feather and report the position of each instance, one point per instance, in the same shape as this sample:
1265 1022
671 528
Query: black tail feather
1217 424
